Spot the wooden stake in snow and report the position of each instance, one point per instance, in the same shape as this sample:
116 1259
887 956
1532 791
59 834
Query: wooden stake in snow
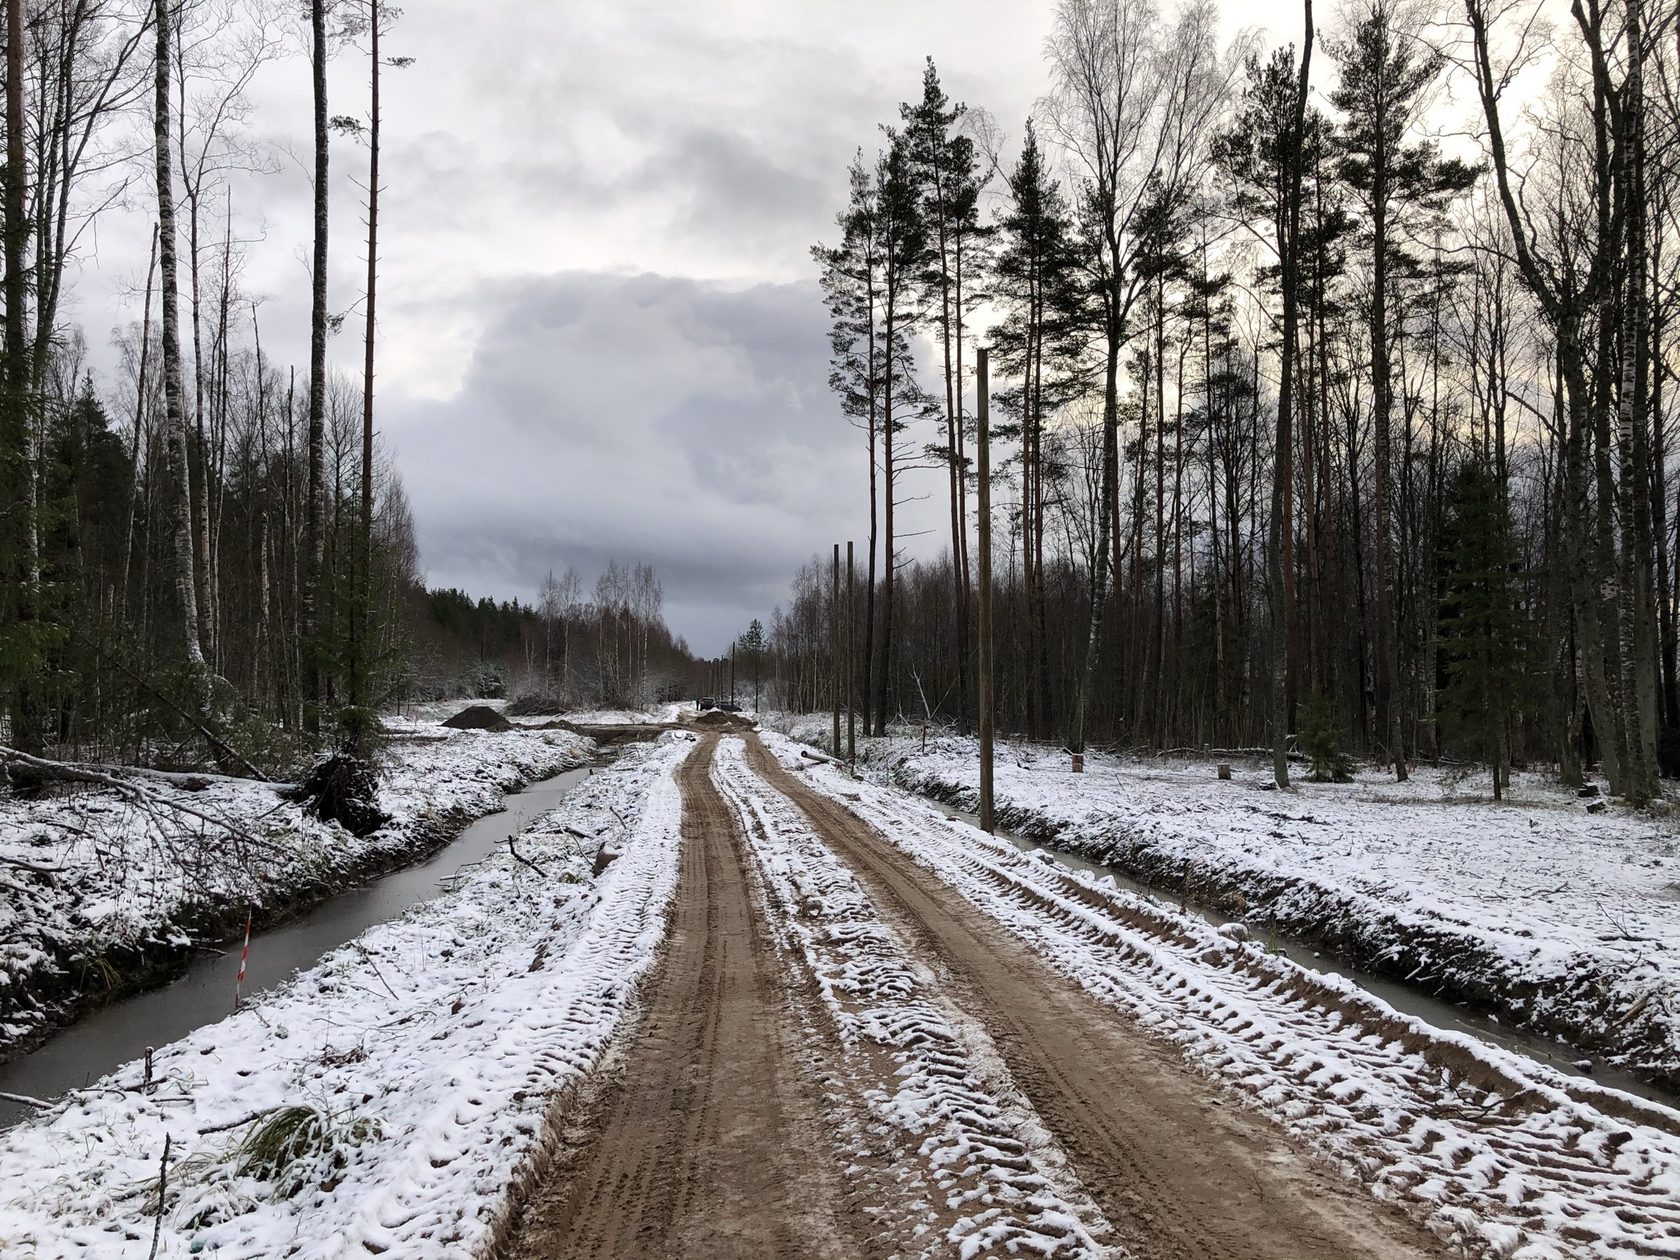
983 421
851 625
163 1191
244 956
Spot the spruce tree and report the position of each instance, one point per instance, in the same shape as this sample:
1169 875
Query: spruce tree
1484 638
1386 74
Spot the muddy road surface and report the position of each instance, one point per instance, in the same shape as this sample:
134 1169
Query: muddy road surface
740 1118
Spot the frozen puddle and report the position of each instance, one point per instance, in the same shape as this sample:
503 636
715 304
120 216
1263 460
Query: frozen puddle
116 1034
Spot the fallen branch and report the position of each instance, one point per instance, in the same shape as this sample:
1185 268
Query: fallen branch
817 756
527 861
30 866
215 741
68 772
24 1100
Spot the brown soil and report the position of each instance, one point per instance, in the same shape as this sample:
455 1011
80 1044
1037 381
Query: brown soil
703 1140
720 720
708 1134
479 717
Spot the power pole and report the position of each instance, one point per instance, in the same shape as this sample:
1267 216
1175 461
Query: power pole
851 696
834 647
983 421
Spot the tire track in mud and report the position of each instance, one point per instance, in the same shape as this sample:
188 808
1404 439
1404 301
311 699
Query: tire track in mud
701 1139
961 1164
1178 1175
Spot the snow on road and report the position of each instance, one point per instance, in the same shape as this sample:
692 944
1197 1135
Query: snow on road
1561 920
984 1157
120 879
1502 1154
431 1045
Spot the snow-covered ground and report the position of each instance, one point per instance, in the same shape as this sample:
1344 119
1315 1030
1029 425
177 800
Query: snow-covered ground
428 1049
628 717
1555 919
1503 1155
97 890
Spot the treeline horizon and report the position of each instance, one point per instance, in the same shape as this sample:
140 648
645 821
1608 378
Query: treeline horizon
1304 426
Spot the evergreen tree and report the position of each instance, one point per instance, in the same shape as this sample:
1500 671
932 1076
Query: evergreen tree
851 282
750 648
904 257
947 175
1484 639
1037 343
1386 75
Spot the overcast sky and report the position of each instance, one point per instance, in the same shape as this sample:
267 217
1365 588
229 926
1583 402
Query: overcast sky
600 334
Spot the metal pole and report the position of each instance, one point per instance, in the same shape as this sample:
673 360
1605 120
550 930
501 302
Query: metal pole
983 419
834 648
851 697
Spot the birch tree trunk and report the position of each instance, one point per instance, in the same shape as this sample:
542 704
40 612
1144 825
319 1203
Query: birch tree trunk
175 419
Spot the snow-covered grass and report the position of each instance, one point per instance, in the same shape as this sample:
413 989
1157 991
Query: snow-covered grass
99 894
428 1051
625 717
1556 919
1504 1155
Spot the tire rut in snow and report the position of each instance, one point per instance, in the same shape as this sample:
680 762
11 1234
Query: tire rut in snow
954 1158
1178 1174
1501 1156
699 1141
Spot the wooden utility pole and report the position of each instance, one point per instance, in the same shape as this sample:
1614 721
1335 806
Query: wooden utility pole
834 647
851 660
983 421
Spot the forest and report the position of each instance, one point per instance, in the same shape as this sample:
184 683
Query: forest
1332 391
214 559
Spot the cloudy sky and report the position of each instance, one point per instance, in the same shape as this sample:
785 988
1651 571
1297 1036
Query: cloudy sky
600 334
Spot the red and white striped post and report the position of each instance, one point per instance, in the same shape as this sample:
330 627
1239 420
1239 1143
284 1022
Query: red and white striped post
244 957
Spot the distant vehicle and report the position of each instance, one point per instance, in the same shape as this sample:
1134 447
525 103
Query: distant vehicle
707 703
729 706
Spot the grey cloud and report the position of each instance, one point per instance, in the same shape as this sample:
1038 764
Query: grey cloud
644 417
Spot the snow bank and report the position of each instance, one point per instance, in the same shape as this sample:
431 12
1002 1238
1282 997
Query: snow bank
99 895
432 1045
1558 920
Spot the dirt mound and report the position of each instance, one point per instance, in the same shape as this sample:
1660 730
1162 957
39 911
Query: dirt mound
479 717
720 720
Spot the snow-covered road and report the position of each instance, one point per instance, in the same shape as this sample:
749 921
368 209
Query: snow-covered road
842 1024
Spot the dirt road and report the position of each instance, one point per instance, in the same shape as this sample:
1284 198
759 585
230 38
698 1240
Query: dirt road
697 1140
717 1130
